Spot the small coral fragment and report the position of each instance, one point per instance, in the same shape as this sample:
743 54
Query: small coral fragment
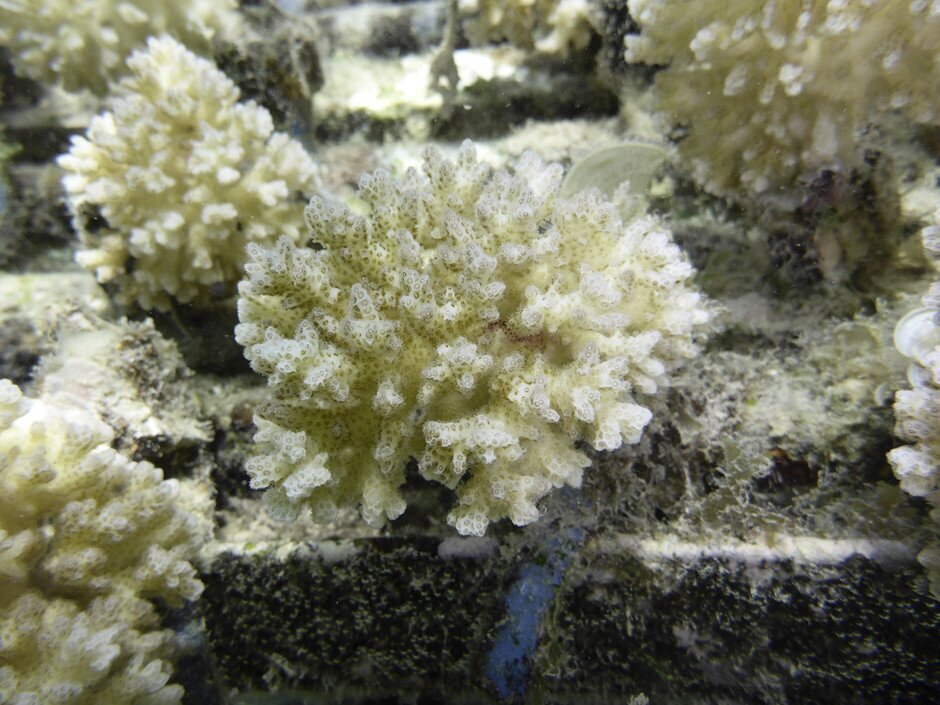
169 185
474 321
550 26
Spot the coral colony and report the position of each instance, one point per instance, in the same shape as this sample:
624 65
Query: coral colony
88 538
85 45
771 91
917 466
473 321
184 175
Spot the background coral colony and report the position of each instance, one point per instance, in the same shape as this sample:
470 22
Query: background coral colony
527 351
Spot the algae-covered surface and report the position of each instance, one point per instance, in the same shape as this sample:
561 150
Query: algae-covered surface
770 536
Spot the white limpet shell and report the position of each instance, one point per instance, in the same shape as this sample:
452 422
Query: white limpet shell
917 334
607 168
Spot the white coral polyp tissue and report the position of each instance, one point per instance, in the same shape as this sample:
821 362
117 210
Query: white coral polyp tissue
170 184
473 321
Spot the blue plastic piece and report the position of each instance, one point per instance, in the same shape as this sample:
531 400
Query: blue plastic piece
528 600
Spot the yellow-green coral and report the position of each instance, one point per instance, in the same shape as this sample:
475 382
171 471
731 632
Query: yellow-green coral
182 175
770 90
84 43
473 320
87 537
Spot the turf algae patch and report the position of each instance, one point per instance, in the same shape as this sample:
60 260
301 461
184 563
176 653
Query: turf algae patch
741 629
390 616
